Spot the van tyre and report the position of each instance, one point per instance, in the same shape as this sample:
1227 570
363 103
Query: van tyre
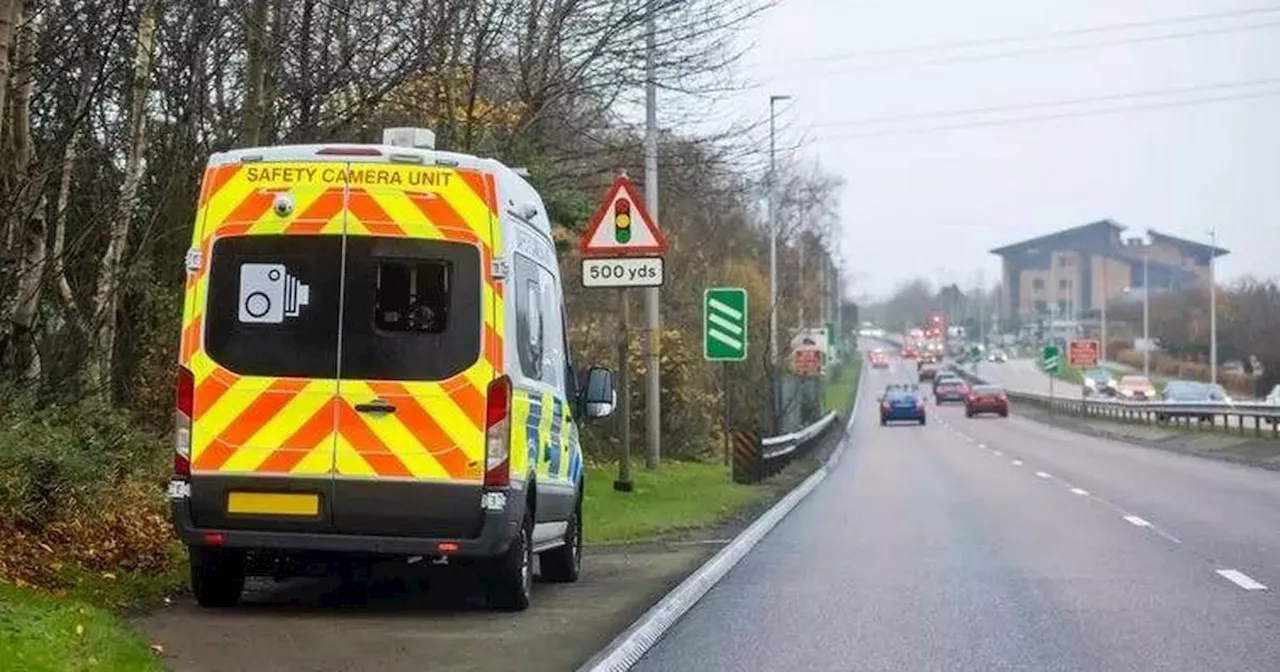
509 583
217 577
564 564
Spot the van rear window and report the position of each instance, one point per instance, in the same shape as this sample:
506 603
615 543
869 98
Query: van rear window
411 310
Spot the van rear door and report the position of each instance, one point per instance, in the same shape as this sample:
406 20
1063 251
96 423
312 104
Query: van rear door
263 320
418 350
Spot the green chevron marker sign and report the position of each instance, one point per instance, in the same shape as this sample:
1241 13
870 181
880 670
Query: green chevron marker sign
724 324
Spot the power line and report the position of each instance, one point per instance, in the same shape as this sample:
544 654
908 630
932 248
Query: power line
1071 32
1042 50
1046 104
1052 117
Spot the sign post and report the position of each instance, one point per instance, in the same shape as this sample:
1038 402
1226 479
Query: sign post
622 248
1051 362
724 338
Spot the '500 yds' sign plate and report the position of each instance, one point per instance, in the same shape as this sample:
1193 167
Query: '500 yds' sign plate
623 272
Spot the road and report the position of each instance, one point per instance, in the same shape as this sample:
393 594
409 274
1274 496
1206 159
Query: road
1001 544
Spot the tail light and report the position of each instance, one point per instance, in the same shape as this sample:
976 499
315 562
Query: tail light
497 434
1004 397
186 394
919 403
885 404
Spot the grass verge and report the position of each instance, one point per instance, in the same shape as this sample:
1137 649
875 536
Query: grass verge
840 386
686 496
41 631
681 496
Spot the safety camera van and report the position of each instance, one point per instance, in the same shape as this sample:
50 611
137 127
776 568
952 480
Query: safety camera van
375 363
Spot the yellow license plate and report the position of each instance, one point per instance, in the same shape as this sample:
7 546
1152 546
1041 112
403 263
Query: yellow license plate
273 503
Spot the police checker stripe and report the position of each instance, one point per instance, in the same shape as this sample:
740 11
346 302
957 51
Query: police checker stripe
288 426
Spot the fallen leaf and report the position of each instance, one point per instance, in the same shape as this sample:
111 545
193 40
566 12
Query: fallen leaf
157 649
79 629
108 575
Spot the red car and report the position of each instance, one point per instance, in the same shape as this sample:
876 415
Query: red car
986 399
908 353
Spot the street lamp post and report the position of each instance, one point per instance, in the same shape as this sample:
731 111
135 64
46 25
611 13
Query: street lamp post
1146 316
773 232
1213 308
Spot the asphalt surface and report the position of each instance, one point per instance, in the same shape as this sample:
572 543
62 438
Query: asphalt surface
405 618
1001 544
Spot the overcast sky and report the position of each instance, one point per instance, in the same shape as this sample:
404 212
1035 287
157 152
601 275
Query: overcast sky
931 204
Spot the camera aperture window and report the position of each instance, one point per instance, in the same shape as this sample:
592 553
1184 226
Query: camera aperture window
411 296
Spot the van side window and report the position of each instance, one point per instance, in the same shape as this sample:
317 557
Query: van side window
411 296
553 353
529 322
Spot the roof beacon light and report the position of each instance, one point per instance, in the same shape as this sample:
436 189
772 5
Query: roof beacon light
417 138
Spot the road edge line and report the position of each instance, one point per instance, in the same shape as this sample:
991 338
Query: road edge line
629 647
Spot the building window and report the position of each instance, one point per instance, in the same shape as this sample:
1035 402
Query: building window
1064 262
1037 284
1064 284
1042 307
1063 307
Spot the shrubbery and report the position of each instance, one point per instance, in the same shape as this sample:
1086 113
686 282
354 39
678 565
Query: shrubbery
80 486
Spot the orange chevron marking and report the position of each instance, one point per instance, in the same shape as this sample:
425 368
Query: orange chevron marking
215 179
191 339
319 213
370 213
424 428
211 389
308 437
367 444
259 412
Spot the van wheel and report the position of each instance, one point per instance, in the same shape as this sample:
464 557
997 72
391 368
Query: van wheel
510 580
217 577
564 564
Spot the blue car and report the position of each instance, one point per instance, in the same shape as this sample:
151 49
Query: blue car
902 403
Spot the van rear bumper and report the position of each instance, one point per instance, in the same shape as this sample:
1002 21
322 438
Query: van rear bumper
496 532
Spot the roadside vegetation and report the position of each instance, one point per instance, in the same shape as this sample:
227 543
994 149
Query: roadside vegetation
694 495
108 111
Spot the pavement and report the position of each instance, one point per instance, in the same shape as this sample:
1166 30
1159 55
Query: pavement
1001 544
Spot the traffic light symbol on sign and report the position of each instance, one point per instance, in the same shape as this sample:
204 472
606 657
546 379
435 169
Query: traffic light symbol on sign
622 220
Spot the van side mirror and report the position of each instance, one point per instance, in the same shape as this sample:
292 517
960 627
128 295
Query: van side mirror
599 397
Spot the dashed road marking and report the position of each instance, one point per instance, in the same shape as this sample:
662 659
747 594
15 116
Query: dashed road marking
997 453
1080 491
1017 463
982 445
1137 521
1042 474
1240 579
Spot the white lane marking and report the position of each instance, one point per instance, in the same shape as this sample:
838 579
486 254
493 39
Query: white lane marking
1017 463
982 445
1080 491
969 439
1042 474
1137 521
997 453
1240 579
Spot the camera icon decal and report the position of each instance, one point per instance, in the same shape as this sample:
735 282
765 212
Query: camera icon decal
269 294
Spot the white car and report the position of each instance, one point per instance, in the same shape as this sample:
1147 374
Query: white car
998 356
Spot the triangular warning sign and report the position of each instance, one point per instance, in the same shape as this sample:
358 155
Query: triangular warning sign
622 226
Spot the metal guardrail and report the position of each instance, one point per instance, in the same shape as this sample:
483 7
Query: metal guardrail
755 458
778 446
1259 418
